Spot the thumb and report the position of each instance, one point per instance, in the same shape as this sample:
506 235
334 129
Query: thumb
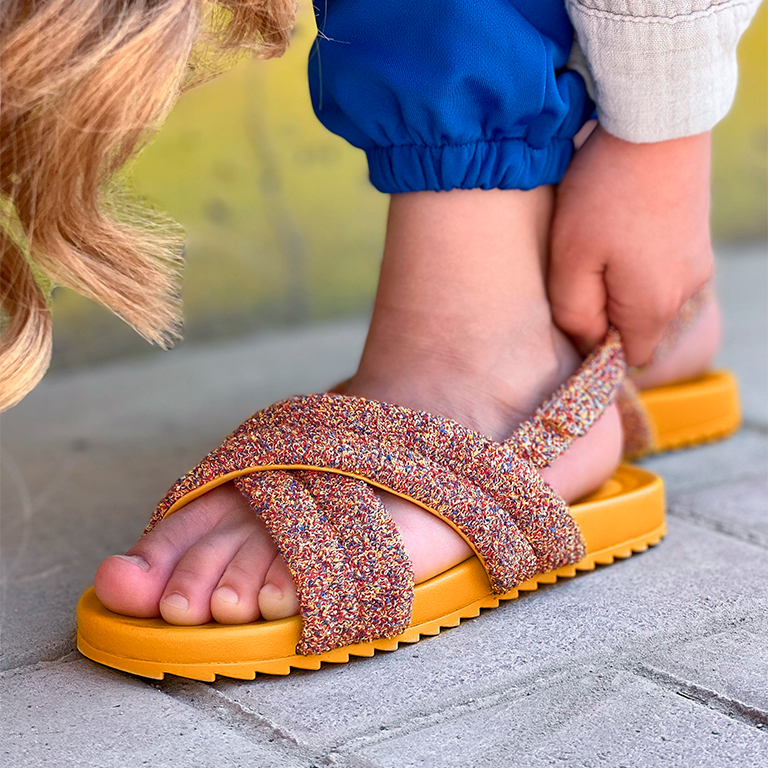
578 299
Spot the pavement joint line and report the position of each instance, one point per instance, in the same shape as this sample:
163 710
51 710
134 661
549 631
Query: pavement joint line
414 721
212 703
732 708
605 664
627 658
746 536
750 425
37 666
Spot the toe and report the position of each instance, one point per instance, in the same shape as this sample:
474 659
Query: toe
133 584
236 598
277 598
127 584
187 595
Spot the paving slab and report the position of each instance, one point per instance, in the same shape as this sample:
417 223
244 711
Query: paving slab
78 714
201 390
588 721
733 665
88 454
738 509
655 599
744 456
63 513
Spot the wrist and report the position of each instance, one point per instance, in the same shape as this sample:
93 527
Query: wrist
699 144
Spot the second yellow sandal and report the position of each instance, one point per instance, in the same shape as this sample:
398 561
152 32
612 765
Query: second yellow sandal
679 415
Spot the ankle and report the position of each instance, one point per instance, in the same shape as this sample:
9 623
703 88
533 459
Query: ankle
490 385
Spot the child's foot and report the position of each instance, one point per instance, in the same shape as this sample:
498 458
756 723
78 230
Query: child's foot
690 353
461 328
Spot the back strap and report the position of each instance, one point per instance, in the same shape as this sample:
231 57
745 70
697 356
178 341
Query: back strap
574 407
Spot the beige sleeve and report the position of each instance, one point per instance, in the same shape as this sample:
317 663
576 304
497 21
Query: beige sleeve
660 69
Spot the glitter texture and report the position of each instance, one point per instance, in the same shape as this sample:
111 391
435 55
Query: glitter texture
635 424
638 431
689 313
352 574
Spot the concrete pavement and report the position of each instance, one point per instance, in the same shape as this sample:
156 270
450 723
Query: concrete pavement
660 660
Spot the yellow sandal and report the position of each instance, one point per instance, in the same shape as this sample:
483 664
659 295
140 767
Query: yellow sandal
681 415
309 465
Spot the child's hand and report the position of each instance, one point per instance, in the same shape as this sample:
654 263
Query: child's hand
630 239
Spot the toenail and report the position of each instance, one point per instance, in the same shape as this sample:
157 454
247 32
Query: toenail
175 600
227 594
271 591
140 561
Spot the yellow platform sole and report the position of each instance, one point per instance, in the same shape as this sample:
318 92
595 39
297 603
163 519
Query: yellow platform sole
692 412
625 516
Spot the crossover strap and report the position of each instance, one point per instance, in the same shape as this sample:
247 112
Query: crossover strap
472 482
335 534
352 573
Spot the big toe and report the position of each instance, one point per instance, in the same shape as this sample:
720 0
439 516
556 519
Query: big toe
133 584
127 584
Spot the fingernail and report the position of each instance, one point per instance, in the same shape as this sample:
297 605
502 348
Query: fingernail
227 594
271 591
140 561
175 600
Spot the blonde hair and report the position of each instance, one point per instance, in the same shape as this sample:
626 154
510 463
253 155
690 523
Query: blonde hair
83 83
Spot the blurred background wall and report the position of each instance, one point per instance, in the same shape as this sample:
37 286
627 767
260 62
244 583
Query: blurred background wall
283 226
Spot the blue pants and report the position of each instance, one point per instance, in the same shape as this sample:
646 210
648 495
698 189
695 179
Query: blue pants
445 94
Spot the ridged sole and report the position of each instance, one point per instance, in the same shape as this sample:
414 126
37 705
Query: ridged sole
624 517
693 412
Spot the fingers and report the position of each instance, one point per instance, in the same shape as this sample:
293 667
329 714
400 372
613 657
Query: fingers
642 328
643 304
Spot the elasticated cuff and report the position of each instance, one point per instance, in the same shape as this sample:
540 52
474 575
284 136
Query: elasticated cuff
662 69
505 164
446 94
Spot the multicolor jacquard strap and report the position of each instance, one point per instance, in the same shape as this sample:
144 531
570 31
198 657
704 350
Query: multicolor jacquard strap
639 437
638 433
306 465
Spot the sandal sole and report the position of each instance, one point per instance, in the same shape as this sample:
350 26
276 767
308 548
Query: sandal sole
624 517
693 412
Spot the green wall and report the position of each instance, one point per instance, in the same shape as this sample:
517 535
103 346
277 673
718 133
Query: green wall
283 226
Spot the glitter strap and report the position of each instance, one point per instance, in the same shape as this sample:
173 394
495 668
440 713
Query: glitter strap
639 436
352 573
689 313
489 492
574 407
637 428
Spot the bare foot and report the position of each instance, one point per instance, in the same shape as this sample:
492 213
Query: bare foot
461 328
690 355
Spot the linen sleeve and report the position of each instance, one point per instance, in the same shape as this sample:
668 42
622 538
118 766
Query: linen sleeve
661 69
